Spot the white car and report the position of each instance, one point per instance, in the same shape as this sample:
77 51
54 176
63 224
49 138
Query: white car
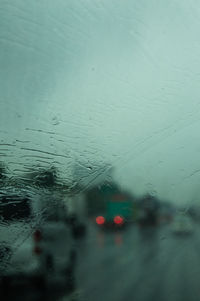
35 241
182 224
16 243
53 247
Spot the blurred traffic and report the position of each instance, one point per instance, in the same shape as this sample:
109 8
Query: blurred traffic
58 243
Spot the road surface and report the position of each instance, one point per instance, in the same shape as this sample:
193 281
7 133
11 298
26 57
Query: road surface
140 265
131 264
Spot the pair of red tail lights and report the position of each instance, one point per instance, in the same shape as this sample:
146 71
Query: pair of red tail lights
118 220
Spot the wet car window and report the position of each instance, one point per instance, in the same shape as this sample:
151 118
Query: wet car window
99 150
11 208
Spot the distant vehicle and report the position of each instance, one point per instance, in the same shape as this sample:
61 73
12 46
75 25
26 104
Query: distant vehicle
76 214
182 224
118 211
35 245
165 213
148 211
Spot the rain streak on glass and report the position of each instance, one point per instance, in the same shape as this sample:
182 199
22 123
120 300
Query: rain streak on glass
99 150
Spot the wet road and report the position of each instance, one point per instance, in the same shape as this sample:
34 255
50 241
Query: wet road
153 264
131 264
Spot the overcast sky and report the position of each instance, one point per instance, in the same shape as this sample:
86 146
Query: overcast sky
104 81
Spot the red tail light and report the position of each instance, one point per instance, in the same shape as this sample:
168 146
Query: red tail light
100 220
37 235
37 250
118 220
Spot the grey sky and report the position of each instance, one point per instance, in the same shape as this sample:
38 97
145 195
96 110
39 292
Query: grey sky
111 81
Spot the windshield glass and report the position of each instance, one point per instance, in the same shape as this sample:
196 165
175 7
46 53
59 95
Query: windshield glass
99 150
13 209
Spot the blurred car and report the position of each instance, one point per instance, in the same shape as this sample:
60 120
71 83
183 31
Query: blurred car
148 211
56 257
115 221
15 239
147 218
35 244
182 224
118 209
76 214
